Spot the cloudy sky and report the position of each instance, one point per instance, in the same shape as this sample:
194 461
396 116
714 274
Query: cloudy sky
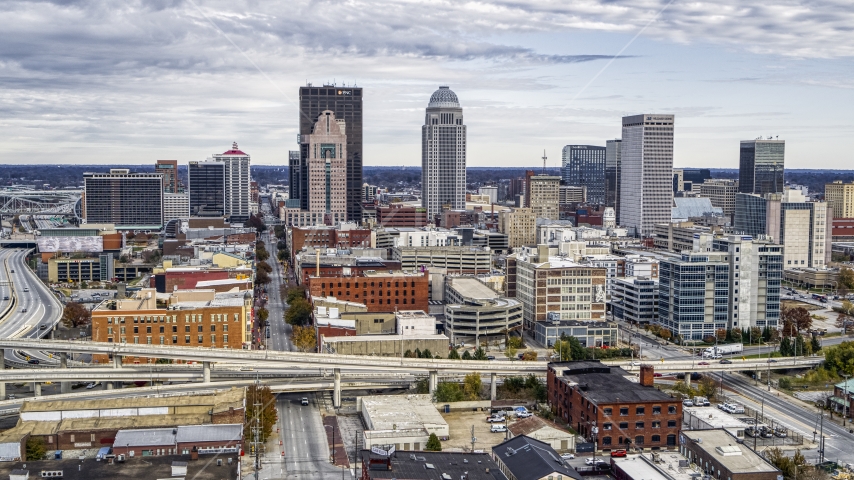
134 81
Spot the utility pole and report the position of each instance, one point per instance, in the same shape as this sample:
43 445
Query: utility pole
821 440
845 407
473 438
256 434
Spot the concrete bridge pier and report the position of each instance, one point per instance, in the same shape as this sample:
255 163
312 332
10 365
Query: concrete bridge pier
37 389
336 393
206 372
64 387
493 385
433 382
109 385
117 361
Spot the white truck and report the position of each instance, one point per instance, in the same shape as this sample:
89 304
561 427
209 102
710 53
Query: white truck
718 350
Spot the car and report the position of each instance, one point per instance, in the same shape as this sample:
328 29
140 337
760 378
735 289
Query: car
567 456
5 297
524 414
26 289
688 403
618 453
494 419
498 429
42 327
736 408
780 432
33 361
703 363
593 461
24 310
717 356
656 375
725 361
635 364
490 357
91 386
303 401
771 360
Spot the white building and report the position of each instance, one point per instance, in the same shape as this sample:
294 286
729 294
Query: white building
640 266
414 322
490 191
238 198
443 154
646 170
405 421
176 206
612 265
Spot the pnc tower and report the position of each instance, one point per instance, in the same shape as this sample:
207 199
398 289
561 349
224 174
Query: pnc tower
443 154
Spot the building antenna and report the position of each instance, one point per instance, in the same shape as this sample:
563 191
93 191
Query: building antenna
544 161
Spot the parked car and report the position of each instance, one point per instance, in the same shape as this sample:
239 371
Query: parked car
495 419
688 403
780 432
524 414
771 360
567 456
736 408
592 461
751 432
24 310
618 453
498 429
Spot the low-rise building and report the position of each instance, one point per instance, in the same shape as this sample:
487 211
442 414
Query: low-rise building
379 291
456 259
588 394
402 215
635 300
523 457
404 421
589 334
474 311
652 466
812 277
414 323
378 463
546 432
202 439
385 345
720 455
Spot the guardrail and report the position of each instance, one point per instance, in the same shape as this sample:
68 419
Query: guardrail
13 298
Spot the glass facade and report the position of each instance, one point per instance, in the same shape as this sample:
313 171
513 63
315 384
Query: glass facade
207 189
584 166
761 166
612 174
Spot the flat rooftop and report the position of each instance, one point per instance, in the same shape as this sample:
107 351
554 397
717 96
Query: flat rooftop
221 401
473 466
606 384
139 468
715 417
725 449
384 338
642 467
400 412
473 288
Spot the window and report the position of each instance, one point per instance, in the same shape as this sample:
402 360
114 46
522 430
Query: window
162 328
656 410
174 328
606 426
624 411
671 440
639 425
671 409
135 329
225 340
175 339
656 438
640 410
213 340
186 329
200 328
186 339
225 327
608 411
656 424
201 339
639 440
148 329
671 423
92 437
606 440
624 425
213 328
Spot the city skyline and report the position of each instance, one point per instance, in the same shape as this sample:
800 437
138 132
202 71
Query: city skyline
85 84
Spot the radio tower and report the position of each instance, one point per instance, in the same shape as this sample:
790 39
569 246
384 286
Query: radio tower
544 161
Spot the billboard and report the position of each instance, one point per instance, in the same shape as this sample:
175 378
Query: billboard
91 244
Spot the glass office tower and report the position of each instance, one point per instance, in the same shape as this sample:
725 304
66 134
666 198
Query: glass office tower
760 168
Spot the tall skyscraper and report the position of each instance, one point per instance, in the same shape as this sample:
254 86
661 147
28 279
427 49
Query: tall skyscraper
324 153
297 187
613 149
760 168
128 200
169 170
207 188
443 154
346 104
840 197
646 170
584 166
542 195
238 196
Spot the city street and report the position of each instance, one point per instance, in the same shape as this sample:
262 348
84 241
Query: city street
304 438
280 332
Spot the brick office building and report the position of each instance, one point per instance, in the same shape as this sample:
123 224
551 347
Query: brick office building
400 215
341 236
720 455
379 291
588 394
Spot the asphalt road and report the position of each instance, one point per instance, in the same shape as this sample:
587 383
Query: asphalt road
35 308
304 437
280 332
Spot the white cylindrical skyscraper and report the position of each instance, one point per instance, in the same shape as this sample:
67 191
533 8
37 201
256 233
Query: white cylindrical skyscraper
443 154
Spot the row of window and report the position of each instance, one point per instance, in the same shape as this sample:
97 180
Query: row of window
365 284
639 425
189 318
656 410
640 440
200 329
199 340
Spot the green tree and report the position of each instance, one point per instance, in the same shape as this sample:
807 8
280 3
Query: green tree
515 342
454 355
433 444
294 293
262 277
578 352
304 338
847 307
299 312
510 352
472 386
263 315
466 355
260 399
35 449
791 467
786 347
562 350
846 278
256 222
736 335
479 354
426 353
261 253
264 266
840 358
815 344
448 392
408 354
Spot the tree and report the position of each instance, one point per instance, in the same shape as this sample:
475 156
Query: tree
266 412
299 312
844 322
815 344
562 349
35 449
529 356
515 342
448 392
294 293
793 466
466 355
840 358
665 334
795 320
847 307
408 354
261 253
76 315
262 278
472 386
263 315
433 444
479 354
264 266
426 353
736 335
707 387
755 334
510 352
846 278
720 334
786 347
256 222
454 355
304 338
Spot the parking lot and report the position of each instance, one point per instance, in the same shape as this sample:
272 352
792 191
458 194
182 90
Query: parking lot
460 426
